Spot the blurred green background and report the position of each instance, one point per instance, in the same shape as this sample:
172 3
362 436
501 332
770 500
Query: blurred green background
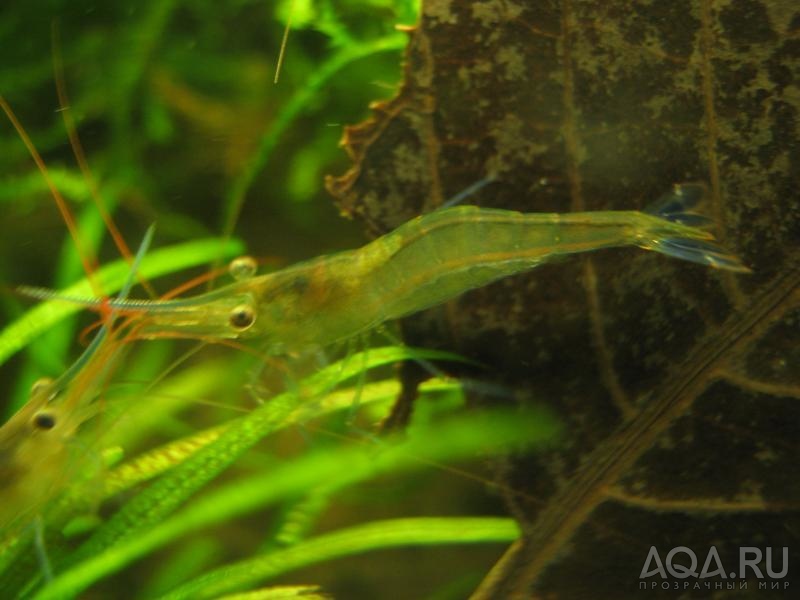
183 126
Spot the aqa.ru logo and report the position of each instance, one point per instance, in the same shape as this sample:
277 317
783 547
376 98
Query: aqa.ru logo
750 558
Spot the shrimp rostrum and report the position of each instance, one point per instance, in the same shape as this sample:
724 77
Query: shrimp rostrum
425 262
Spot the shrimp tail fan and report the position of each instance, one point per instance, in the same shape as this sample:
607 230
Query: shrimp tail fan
702 252
678 204
690 240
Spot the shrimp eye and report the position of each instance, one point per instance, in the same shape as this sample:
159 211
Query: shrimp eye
44 421
243 267
242 317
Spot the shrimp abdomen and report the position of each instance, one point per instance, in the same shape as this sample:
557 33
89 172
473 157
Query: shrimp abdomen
438 256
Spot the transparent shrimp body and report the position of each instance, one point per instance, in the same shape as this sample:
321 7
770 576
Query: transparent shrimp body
425 262
40 454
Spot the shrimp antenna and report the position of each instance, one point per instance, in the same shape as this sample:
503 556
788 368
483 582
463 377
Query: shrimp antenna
101 335
88 259
80 156
469 191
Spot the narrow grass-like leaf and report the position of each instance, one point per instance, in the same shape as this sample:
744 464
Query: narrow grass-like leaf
379 535
148 465
157 461
161 498
462 437
70 183
188 561
283 592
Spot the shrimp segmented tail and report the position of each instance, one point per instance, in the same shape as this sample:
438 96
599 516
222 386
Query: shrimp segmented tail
427 261
676 206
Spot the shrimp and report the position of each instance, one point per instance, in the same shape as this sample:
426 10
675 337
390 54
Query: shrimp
37 453
425 262
35 444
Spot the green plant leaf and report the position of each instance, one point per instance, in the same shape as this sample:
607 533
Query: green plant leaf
497 431
378 535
